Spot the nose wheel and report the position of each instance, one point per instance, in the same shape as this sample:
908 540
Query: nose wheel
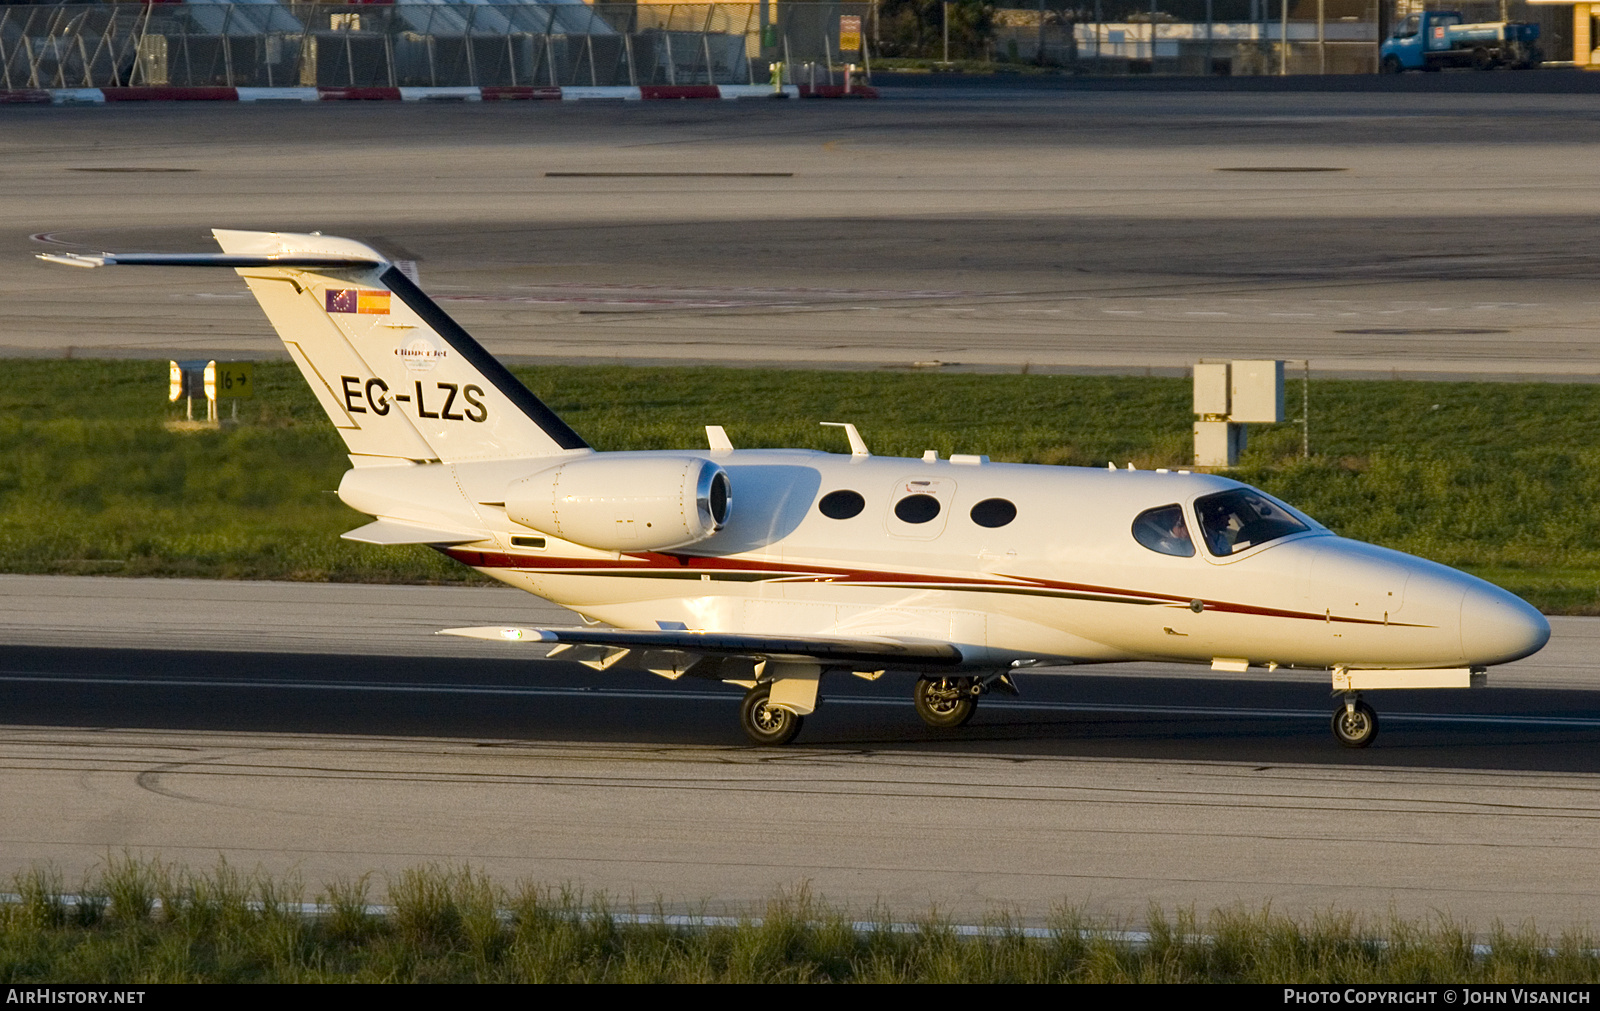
764 723
1355 726
946 702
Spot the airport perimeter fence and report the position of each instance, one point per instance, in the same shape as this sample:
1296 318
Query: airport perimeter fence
266 44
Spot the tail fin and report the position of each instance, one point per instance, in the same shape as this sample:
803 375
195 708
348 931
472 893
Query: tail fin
398 377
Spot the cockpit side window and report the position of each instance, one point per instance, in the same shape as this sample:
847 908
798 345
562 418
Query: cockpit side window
1232 521
1164 530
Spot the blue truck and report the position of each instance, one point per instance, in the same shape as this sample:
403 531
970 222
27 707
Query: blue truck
1434 40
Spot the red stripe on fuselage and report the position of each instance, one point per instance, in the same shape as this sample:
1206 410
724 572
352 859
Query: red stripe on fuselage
647 563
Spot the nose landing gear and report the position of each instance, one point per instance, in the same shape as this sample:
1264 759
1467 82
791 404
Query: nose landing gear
1355 724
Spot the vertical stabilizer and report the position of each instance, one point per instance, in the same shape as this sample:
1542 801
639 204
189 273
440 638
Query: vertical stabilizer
398 377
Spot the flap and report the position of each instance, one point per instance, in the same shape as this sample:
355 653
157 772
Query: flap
880 650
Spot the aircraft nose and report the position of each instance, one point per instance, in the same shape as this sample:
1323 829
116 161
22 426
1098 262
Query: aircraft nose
1499 627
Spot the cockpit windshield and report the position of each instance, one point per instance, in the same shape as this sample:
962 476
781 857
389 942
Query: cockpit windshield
1232 521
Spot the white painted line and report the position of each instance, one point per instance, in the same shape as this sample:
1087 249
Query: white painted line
401 688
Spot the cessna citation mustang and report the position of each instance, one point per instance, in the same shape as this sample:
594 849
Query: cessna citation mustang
770 568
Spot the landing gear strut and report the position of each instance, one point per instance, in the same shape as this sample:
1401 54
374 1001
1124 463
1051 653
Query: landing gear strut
1355 724
946 702
764 723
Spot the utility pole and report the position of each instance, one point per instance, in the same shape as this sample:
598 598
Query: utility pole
1038 56
1283 38
1322 36
947 31
1210 26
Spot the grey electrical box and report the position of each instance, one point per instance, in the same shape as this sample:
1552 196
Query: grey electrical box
1218 443
1257 392
1211 389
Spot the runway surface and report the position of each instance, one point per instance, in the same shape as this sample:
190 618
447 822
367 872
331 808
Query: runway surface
1403 234
338 748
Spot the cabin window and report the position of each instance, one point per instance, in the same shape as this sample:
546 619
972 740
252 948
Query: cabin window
1232 521
917 508
994 512
1163 530
841 505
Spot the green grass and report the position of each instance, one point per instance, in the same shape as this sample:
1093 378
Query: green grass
1501 479
150 922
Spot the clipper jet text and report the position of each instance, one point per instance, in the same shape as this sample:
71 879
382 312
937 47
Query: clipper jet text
772 568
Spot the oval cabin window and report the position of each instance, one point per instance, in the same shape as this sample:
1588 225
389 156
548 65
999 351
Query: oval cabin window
917 508
1164 531
841 505
994 512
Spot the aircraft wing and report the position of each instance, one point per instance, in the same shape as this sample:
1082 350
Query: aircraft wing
392 532
653 649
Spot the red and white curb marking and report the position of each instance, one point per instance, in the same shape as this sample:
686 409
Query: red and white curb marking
643 93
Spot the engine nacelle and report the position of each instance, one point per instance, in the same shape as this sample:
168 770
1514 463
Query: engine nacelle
630 503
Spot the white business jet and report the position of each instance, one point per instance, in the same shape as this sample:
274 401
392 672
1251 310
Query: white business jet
770 568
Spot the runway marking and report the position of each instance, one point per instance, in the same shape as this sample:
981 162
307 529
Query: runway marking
1490 719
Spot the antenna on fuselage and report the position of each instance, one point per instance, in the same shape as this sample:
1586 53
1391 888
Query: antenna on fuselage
858 445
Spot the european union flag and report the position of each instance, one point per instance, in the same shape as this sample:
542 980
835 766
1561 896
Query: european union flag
341 299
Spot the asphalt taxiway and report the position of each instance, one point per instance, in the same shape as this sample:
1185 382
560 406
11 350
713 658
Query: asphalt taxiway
365 743
1399 233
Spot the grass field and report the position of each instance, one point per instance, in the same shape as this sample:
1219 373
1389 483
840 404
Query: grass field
149 922
1500 479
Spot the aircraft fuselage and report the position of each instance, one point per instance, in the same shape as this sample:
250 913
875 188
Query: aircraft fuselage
1063 580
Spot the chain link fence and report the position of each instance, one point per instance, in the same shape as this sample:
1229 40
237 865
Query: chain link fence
265 43
269 44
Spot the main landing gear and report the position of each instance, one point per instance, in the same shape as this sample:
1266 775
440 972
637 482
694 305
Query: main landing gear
946 702
765 723
1355 724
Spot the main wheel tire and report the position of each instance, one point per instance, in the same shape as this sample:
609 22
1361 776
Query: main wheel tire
1355 729
945 702
764 723
1392 65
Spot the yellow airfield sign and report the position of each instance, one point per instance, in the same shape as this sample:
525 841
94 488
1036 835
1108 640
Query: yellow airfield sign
236 380
849 33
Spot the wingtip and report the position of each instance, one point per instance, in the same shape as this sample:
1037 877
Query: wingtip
74 259
500 633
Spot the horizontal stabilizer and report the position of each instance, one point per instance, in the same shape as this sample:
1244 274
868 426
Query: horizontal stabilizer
399 379
880 651
234 260
392 532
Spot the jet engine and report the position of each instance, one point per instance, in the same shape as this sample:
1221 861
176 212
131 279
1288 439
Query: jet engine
624 503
